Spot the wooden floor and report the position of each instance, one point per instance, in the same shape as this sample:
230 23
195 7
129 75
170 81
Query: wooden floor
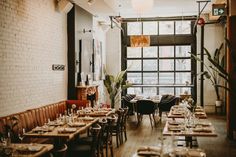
145 135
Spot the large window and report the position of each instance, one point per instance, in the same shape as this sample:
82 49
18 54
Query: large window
165 66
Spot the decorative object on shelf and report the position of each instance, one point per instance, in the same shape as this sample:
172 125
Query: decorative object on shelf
115 85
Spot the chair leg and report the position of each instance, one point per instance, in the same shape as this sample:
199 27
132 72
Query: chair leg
111 150
150 119
117 139
125 134
155 123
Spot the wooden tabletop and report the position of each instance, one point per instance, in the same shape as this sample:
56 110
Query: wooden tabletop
56 131
30 150
202 129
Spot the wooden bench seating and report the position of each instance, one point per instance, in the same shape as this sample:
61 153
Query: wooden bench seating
34 117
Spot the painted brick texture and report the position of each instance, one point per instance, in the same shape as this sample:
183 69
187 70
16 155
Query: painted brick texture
33 36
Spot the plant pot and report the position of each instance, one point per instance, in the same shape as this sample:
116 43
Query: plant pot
218 103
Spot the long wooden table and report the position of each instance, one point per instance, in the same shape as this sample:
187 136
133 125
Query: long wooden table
57 133
201 129
29 150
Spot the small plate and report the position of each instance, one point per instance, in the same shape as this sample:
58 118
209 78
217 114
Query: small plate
35 148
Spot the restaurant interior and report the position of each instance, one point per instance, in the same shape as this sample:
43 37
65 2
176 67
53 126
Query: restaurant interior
118 78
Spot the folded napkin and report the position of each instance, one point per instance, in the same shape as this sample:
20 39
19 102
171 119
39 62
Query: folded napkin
43 129
199 113
145 150
196 153
54 123
66 130
204 123
177 112
77 124
174 128
173 122
207 130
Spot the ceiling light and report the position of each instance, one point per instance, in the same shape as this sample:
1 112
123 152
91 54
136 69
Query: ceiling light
90 2
141 6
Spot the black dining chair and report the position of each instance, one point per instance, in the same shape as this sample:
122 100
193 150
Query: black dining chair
86 148
167 101
146 107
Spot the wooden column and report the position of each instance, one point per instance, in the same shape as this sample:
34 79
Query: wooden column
231 103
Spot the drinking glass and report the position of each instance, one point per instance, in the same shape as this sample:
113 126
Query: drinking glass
21 135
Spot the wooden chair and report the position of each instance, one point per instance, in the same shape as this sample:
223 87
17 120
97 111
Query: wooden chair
88 149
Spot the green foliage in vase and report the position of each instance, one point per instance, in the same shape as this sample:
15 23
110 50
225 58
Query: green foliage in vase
10 129
115 85
215 71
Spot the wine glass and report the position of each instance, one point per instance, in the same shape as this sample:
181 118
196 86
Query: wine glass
21 135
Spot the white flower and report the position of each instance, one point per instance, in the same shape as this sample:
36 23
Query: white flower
73 106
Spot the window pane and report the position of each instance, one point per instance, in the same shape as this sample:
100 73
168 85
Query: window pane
182 77
182 51
166 78
166 51
183 64
166 27
149 65
166 90
134 28
179 91
166 65
134 90
149 91
134 65
133 52
150 51
134 78
150 78
150 28
183 27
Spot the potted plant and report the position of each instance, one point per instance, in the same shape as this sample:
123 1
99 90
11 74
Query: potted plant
215 71
115 85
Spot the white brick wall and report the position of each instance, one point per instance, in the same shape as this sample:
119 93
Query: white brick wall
33 36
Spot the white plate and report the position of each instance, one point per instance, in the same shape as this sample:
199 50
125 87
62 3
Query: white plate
70 129
76 124
88 118
35 148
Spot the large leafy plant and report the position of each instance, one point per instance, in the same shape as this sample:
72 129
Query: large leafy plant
115 85
215 71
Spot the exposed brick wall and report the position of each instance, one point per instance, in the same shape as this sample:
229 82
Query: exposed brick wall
33 36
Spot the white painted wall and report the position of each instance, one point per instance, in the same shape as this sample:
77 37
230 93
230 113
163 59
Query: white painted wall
214 36
100 35
33 37
113 53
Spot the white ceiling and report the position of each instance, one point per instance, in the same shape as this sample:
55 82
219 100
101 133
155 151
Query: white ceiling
160 8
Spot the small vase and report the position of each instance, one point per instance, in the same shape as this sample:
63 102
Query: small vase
112 102
218 103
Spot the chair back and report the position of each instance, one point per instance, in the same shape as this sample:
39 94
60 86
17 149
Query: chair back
167 101
145 106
